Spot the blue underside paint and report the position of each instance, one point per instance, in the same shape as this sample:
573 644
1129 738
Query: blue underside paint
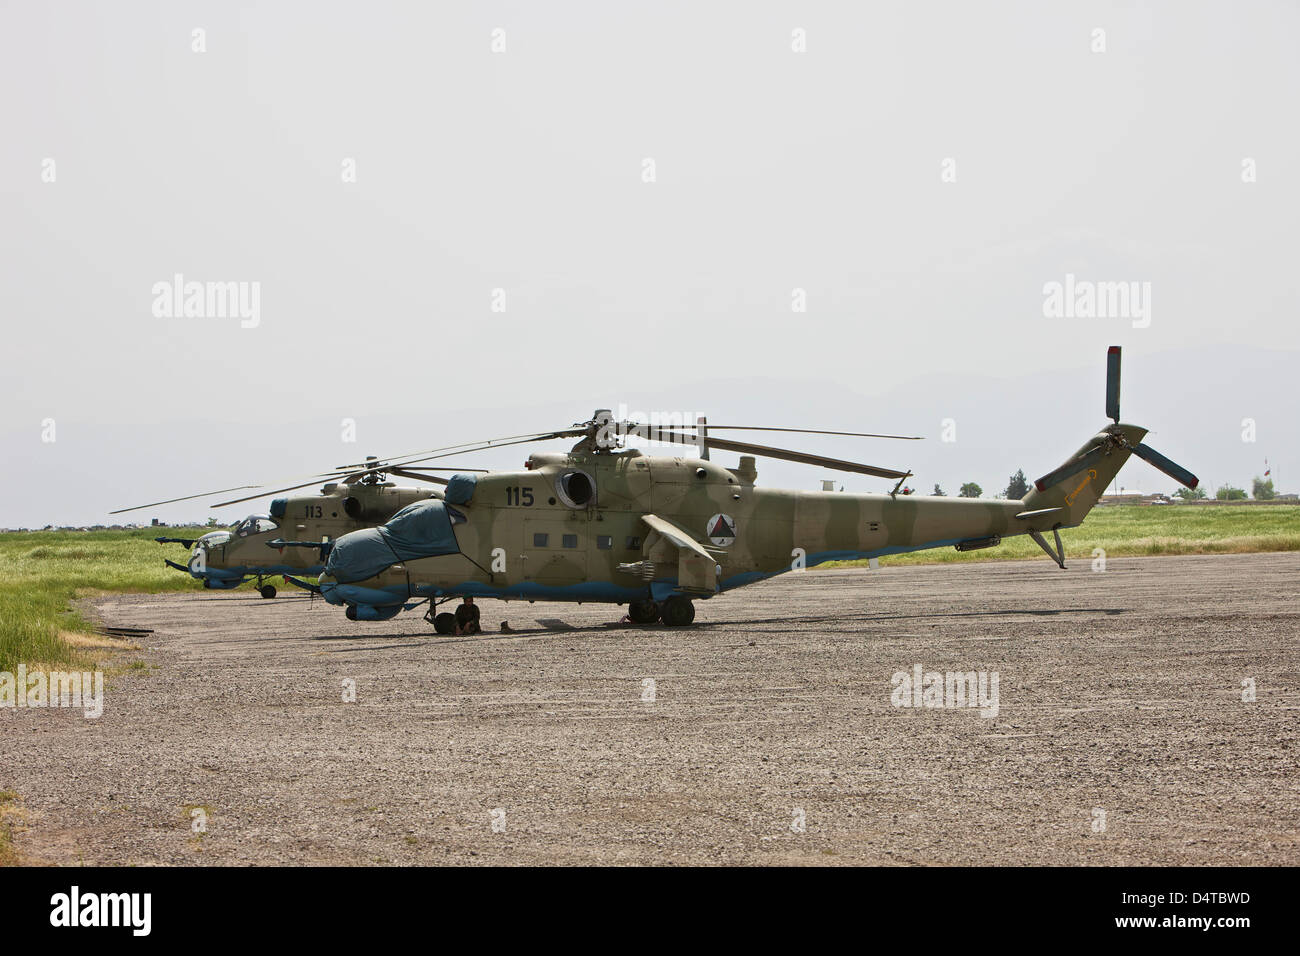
368 612
821 557
599 592
267 570
233 577
356 594
602 592
218 584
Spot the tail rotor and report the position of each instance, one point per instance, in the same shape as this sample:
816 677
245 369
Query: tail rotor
1113 437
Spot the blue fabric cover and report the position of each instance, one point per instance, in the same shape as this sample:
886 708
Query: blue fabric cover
460 489
421 530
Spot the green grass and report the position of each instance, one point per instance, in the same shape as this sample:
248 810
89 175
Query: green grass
42 571
1134 530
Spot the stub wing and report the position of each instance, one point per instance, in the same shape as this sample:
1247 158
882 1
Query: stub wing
696 568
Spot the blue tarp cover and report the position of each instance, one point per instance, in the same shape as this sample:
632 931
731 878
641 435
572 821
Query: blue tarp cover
421 530
460 489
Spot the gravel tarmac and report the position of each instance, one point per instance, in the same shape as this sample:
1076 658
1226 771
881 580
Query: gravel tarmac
1121 734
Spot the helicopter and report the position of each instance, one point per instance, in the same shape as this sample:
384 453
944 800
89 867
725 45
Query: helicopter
609 523
226 558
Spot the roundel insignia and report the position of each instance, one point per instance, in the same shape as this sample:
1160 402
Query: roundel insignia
722 530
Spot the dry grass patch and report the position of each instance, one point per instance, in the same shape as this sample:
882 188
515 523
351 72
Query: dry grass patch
12 815
97 641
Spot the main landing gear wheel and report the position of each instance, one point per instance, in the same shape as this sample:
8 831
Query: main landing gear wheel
678 611
445 623
643 612
267 591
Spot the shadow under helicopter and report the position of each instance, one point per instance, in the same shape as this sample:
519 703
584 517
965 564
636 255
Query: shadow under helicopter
550 627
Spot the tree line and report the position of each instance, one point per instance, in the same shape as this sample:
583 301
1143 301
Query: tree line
1017 487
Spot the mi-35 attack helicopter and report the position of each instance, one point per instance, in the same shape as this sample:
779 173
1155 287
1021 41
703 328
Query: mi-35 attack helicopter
256 546
606 523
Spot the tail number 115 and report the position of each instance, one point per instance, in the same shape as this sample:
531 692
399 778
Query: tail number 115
519 496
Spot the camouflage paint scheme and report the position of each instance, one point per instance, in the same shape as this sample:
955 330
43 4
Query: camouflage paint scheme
645 533
226 558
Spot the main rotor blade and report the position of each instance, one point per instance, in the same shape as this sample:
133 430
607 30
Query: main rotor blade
320 478
362 468
1082 463
803 431
395 470
341 475
326 478
1112 383
495 443
427 468
276 491
409 457
206 494
1174 470
767 451
418 477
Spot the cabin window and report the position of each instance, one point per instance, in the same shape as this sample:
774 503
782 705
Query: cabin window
605 542
539 540
570 540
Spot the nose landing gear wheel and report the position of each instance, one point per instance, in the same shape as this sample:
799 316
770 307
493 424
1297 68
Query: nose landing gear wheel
445 623
643 612
267 591
678 611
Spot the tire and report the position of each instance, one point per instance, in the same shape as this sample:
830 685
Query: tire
678 611
643 612
445 623
267 590
351 612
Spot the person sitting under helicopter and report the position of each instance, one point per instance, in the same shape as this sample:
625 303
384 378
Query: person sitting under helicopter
467 618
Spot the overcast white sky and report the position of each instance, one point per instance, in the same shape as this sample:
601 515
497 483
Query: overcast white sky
522 170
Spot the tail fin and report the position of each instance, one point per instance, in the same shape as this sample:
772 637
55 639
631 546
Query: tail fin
1064 496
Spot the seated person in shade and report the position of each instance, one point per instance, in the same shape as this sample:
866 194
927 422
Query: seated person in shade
467 618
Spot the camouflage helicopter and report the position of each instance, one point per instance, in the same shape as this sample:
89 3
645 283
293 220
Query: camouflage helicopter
226 558
608 523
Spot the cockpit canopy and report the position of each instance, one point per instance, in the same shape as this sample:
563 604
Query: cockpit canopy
255 524
213 539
